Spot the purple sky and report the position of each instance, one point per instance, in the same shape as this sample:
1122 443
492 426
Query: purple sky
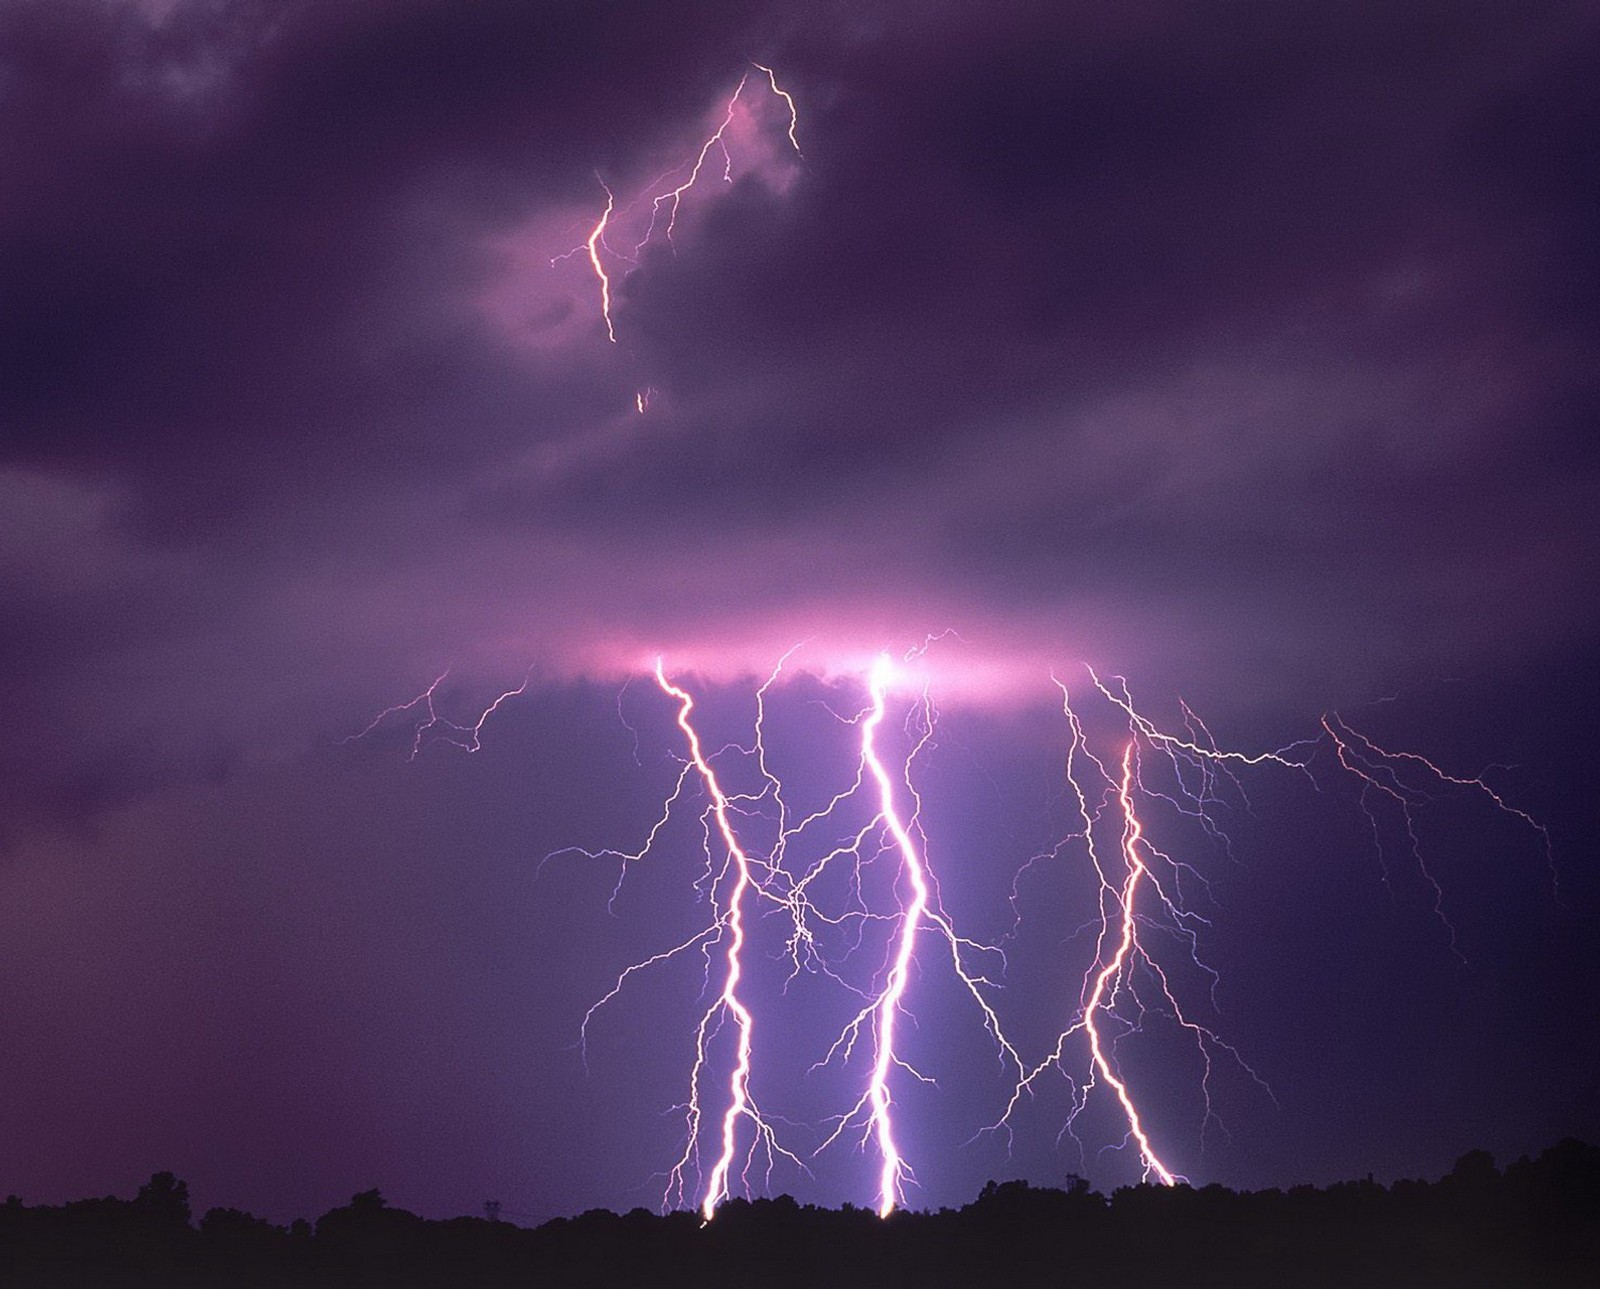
1245 350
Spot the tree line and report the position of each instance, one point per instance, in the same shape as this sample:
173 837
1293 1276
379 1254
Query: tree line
1536 1223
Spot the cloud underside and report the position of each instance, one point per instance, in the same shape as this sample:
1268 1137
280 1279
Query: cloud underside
1254 354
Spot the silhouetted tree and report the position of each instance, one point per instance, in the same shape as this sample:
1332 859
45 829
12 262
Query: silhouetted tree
163 1201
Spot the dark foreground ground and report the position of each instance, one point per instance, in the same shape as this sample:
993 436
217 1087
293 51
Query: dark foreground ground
1535 1224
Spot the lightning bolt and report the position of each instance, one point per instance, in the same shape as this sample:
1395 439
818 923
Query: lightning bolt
893 1171
1198 768
673 197
874 1109
1118 949
666 202
788 99
1132 840
732 883
596 238
433 726
762 851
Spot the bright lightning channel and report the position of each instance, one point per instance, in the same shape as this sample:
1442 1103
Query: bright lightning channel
893 1170
596 237
1141 890
788 99
1132 839
728 1001
1110 972
874 1109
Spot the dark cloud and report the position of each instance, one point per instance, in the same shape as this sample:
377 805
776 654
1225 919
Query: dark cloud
1279 327
1276 326
279 266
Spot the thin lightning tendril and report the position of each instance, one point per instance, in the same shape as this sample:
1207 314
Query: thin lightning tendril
873 1111
435 727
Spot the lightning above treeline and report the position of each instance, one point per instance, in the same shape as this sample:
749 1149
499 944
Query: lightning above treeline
839 886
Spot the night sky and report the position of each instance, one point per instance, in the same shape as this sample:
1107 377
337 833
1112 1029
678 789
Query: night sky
1245 350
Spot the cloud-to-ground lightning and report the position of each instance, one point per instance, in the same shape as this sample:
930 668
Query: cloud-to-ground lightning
764 854
596 236
1111 992
873 823
910 915
893 1167
730 883
794 114
728 1002
1117 963
884 1009
1109 979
